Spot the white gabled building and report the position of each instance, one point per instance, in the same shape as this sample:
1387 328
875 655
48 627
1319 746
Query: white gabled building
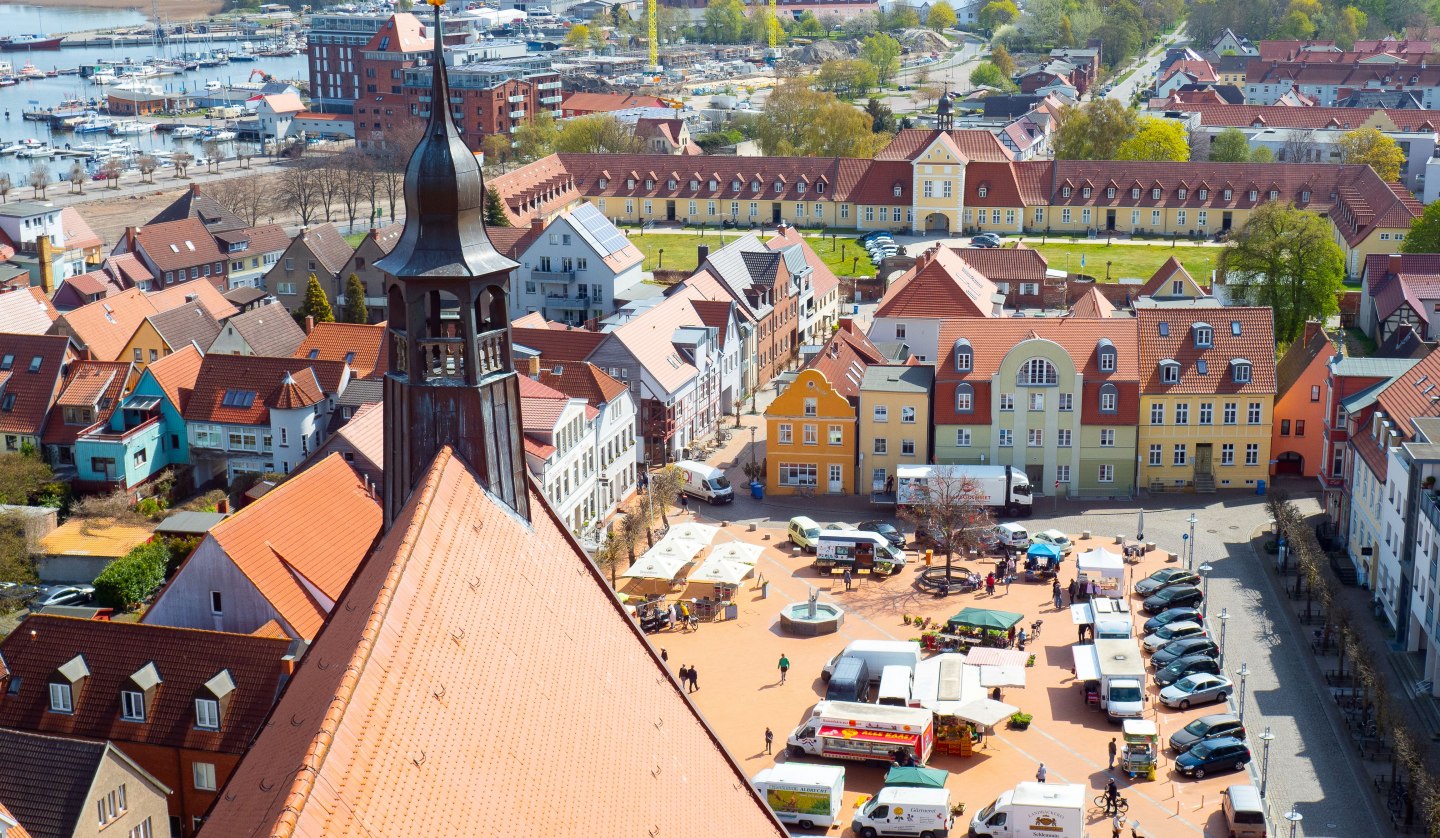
560 450
611 409
576 269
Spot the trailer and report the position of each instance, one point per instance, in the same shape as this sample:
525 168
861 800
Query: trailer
1005 489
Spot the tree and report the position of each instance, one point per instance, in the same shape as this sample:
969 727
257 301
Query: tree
1001 58
953 511
847 77
882 118
147 164
77 177
1261 154
578 37
316 304
998 13
808 26
725 21
536 137
327 188
247 197
902 16
800 121
1424 235
883 53
1297 26
23 477
112 170
213 152
298 191
610 554
495 215
1349 25
665 487
1094 131
182 161
986 74
39 180
1067 32
941 17
1230 146
1379 152
352 183
5 186
599 133
16 564
498 151
1285 259
355 309
1156 139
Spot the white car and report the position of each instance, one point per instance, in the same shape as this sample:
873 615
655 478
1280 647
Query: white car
1196 689
1173 631
1054 538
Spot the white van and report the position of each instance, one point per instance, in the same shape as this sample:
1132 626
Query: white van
878 655
901 810
803 794
1012 536
858 550
706 482
895 686
804 533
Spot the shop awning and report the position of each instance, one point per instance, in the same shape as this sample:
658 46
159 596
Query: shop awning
986 711
985 618
1087 663
915 776
986 656
1002 676
1045 551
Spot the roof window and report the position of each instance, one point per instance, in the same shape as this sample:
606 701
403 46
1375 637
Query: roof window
238 398
36 362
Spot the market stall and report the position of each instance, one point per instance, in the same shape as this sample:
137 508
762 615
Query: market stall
974 627
916 777
1042 562
1142 748
985 713
1102 569
942 684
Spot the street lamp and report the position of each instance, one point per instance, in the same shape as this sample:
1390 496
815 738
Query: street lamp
1294 818
1224 617
1205 583
1267 737
1243 673
752 447
1190 553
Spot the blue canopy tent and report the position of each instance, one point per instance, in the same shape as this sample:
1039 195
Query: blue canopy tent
1047 555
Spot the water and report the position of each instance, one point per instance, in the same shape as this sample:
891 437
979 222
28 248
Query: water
56 20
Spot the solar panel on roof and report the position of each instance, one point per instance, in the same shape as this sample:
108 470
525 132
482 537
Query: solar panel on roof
606 236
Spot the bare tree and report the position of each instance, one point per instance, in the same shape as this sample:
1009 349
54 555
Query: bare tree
213 152
950 508
5 186
182 161
298 191
39 180
247 196
77 177
391 159
347 170
1300 146
111 169
243 153
327 186
147 164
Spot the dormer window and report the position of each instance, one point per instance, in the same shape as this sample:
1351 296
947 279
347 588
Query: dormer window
800 187
629 183
1134 193
61 699
138 695
1305 196
694 184
964 398
964 356
1202 194
983 191
1085 192
711 184
68 679
1274 194
820 188
897 190
1254 194
1240 371
649 184
1181 193
779 186
1204 336
1064 191
754 186
211 702
207 714
604 182
1155 193
1169 371
671 184
1109 192
1227 194
132 706
735 185
1105 355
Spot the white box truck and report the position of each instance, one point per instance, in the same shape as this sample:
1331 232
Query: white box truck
1006 489
1109 618
1034 810
1120 670
705 482
901 810
803 794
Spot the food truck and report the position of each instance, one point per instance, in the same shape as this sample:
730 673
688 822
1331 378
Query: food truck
803 794
851 730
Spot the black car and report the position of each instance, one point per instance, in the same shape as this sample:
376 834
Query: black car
1212 726
1188 665
1171 615
1165 578
1173 598
885 528
1212 755
1184 648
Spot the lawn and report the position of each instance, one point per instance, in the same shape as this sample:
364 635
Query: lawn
843 255
354 239
1128 260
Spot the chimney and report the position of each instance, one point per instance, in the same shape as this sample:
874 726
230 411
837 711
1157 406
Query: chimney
1312 328
45 251
223 506
847 324
537 224
194 189
1394 264
129 239
703 252
309 323
534 365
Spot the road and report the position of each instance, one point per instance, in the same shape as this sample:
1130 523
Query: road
1144 70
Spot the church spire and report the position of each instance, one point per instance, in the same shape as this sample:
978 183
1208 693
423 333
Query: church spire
451 380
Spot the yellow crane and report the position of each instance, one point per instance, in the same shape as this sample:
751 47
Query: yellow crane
774 24
652 33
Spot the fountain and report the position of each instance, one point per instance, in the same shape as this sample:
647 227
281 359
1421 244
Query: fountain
811 618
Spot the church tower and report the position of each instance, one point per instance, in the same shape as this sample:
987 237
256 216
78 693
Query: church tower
945 112
451 380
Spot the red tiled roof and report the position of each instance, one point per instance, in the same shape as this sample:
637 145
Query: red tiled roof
941 284
580 380
822 279
262 377
878 182
1413 394
268 330
512 241
26 312
1006 264
128 268
972 144
1380 265
104 327
1345 119
1255 343
1092 304
364 345
541 406
114 652
176 374
298 390
89 384
1316 342
378 734
173 245
78 233
558 344
327 244
845 357
35 393
716 314
604 102
1162 277
403 32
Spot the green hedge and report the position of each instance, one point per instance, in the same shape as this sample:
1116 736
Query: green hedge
131 579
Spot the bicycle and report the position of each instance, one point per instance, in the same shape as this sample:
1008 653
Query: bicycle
806 491
1121 804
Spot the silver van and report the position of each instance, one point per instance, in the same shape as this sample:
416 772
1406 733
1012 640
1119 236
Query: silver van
1244 812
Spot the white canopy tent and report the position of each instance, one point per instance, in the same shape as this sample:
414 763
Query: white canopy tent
656 566
699 534
1002 676
1104 568
721 571
986 711
738 552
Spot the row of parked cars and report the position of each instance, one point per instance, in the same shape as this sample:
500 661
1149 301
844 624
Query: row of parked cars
879 245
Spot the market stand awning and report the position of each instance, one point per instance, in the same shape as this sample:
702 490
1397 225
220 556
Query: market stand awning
917 777
985 618
986 711
720 571
1045 551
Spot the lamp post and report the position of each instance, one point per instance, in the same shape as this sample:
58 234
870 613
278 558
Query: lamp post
1190 552
1224 617
752 447
1243 673
1267 737
1294 818
1205 586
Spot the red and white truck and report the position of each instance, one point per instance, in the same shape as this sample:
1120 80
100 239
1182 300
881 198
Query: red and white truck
852 730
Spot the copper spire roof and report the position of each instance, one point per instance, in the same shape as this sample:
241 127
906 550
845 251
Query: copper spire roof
444 198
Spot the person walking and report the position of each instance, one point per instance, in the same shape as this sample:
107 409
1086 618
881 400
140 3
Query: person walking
1117 824
769 739
990 583
847 578
694 680
1020 638
684 502
1080 630
1040 773
684 675
1112 752
1074 588
1009 577
1056 600
784 666
664 656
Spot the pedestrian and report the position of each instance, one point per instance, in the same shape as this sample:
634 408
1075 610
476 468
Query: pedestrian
1112 752
769 739
664 656
684 502
784 666
1040 773
1057 602
1074 588
1010 636
1081 631
847 578
1020 638
990 583
1009 577
694 680
1117 824
684 675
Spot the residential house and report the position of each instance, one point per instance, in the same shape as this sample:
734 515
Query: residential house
1085 60
1199 371
362 347
146 433
360 442
26 312
1185 72
576 269
318 250
32 375
80 549
286 558
1020 274
940 286
725 317
176 252
1171 284
192 203
560 451
579 103
893 430
182 705
665 136
761 283
1227 42
69 787
274 113
1297 442
1421 458
819 290
1400 289
251 252
256 415
115 328
358 393
614 427
86 288
266 330
89 396
245 299
50 242
1054 396
376 245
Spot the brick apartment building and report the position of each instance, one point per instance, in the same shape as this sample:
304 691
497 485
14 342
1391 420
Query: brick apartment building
335 43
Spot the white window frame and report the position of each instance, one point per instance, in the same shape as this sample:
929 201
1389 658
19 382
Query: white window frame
202 774
207 714
132 706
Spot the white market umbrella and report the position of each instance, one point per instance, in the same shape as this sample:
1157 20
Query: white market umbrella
1140 526
738 552
720 571
701 534
1002 676
683 547
985 711
663 561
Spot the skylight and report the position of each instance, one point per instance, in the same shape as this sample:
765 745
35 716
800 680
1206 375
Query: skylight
238 398
1234 327
1164 330
36 362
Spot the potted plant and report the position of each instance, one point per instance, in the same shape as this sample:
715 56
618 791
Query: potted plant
957 810
1020 721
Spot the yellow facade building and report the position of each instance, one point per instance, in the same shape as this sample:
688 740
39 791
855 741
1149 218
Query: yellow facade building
895 423
810 438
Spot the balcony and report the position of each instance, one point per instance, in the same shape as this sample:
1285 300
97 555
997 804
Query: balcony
566 302
517 114
553 276
548 85
515 100
550 100
1430 508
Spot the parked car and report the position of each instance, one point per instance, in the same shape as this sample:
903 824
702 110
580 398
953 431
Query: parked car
1170 616
18 594
978 242
1183 648
1221 754
989 237
890 531
1196 689
1162 579
1056 539
1213 726
62 595
1188 665
1169 598
1174 631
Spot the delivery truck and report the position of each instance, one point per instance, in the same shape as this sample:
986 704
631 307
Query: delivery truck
856 550
705 482
1119 672
902 810
1034 810
851 730
877 655
803 794
1108 618
1005 489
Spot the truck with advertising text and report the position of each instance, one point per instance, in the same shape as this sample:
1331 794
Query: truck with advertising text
1005 489
1034 810
801 793
873 732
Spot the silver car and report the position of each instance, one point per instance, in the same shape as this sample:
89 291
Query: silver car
1196 689
1173 631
